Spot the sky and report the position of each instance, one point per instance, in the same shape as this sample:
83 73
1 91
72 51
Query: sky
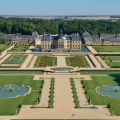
59 7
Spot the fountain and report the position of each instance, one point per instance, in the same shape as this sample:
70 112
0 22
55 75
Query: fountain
9 91
109 90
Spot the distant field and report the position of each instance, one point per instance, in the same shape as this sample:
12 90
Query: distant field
70 18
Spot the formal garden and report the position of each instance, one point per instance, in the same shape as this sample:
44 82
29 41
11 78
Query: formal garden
19 48
104 48
112 61
78 61
97 99
43 61
3 47
10 105
15 59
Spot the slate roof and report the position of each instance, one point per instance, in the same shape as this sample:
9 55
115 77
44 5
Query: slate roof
95 36
18 34
23 40
35 34
115 40
7 39
86 34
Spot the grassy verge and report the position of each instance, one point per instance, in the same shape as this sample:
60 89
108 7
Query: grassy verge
51 94
97 99
74 93
10 105
86 62
67 61
55 61
37 61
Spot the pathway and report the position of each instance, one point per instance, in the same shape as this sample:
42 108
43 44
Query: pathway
92 49
97 64
5 52
61 62
33 62
27 61
91 65
45 93
4 58
102 62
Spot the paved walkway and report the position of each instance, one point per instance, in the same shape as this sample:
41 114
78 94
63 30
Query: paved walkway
27 61
33 62
92 49
81 95
5 52
91 65
4 58
61 62
102 62
45 93
97 64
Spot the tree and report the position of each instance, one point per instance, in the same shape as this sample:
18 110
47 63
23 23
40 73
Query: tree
2 40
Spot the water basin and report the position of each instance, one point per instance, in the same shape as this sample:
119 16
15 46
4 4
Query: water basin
36 50
110 90
61 68
16 90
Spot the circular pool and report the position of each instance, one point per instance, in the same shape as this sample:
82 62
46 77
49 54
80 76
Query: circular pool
9 91
110 90
62 68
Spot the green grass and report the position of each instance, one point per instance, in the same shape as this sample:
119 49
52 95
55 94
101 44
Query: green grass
97 99
55 61
113 64
15 59
51 94
84 72
19 48
113 58
37 61
79 61
10 105
3 47
107 48
76 101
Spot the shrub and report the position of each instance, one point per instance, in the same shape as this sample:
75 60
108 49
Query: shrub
88 100
19 106
41 86
40 92
85 91
83 86
108 106
81 81
38 99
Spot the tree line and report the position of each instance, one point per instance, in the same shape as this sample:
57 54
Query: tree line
26 26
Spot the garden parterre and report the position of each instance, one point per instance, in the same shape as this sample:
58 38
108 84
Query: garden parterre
15 59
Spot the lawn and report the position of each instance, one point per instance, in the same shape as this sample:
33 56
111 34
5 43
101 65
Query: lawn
97 99
19 48
43 61
107 48
113 64
15 59
8 106
3 47
111 58
79 61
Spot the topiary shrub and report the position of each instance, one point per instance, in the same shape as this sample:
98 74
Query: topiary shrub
88 100
108 106
85 91
83 86
19 105
81 81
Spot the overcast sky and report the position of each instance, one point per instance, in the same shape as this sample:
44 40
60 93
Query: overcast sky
59 7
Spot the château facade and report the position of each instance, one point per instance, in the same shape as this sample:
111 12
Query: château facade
61 42
20 39
102 39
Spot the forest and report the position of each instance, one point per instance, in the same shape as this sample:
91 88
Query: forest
26 26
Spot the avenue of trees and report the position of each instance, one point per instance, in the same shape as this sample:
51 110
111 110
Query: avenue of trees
27 26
